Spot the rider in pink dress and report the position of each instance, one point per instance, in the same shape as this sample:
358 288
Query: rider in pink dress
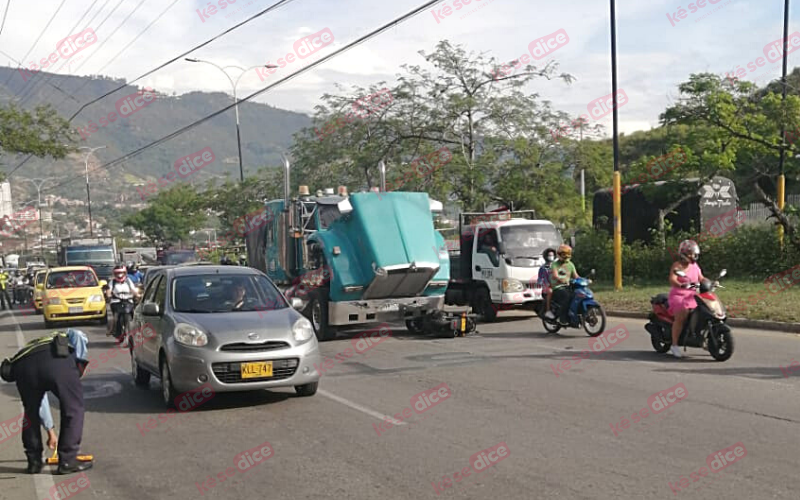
681 300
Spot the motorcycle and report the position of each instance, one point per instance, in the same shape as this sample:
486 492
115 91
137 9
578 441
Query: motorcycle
705 328
584 311
124 310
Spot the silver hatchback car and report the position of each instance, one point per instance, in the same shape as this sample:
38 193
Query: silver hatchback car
224 327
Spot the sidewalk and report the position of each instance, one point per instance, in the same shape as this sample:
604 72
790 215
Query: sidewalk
14 483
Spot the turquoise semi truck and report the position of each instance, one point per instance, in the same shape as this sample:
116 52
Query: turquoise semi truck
353 259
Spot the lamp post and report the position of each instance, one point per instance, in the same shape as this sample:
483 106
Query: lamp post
38 183
781 194
235 99
617 193
88 195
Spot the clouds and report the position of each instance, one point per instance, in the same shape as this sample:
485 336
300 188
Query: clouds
654 55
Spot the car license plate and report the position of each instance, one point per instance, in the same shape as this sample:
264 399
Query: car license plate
75 310
390 308
257 370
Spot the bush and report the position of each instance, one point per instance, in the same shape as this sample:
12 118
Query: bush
748 252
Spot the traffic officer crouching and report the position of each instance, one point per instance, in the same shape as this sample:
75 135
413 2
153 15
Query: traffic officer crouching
54 363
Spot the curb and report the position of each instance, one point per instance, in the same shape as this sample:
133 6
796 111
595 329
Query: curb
756 324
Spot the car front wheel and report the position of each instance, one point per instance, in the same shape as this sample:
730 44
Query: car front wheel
307 389
167 390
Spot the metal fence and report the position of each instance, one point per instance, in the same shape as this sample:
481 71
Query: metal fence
758 213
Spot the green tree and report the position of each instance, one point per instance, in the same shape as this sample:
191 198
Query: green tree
172 214
41 132
460 103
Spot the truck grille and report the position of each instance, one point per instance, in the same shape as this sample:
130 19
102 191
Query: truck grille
407 282
269 345
231 373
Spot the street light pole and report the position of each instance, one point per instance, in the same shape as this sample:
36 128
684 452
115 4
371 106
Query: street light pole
39 203
235 100
88 195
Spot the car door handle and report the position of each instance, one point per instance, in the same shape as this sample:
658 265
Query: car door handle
477 268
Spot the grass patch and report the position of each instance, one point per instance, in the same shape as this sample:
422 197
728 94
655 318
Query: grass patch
736 295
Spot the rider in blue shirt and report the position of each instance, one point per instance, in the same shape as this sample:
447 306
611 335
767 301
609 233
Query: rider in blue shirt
134 273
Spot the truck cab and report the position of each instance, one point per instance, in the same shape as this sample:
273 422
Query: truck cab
496 266
352 260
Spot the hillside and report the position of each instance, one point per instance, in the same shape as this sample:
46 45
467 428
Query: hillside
266 132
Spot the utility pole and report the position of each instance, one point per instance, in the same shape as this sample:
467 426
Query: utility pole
617 200
781 194
88 195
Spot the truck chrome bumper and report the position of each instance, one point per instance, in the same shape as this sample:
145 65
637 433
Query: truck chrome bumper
529 295
379 310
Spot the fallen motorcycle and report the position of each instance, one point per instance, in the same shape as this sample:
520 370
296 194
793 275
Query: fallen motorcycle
705 328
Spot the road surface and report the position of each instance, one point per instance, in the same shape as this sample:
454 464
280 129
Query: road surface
559 426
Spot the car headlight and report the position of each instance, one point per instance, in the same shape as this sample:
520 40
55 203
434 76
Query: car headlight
512 285
190 335
53 301
302 330
96 298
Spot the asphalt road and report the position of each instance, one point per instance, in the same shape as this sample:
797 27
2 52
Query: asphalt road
562 434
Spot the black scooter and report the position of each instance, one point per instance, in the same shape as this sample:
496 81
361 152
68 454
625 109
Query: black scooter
705 328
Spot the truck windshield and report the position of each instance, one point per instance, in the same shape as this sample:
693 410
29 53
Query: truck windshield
529 241
99 256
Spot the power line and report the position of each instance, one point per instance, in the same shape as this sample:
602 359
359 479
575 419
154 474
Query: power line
5 84
272 7
71 31
109 37
51 84
8 3
397 21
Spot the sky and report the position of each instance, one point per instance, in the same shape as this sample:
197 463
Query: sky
660 43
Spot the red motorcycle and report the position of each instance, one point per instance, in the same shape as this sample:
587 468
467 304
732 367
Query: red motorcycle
704 328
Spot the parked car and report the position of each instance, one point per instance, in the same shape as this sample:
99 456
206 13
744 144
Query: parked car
73 293
226 326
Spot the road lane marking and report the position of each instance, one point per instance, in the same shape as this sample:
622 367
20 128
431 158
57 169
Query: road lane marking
362 409
42 483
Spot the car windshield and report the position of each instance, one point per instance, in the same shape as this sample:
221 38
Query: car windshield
220 293
71 279
529 241
179 258
104 256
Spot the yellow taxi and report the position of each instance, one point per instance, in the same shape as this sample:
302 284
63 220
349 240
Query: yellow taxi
73 293
38 289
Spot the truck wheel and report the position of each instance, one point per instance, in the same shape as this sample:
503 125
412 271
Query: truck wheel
318 314
484 307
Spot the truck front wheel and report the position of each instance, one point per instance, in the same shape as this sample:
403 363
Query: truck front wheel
483 305
318 314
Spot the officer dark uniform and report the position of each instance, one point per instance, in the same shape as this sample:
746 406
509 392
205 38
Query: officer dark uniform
49 364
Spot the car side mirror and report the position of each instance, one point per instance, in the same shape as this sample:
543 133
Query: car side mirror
150 309
296 303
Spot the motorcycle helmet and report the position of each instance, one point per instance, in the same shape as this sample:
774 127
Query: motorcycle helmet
549 255
224 260
565 252
120 273
690 250
130 266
